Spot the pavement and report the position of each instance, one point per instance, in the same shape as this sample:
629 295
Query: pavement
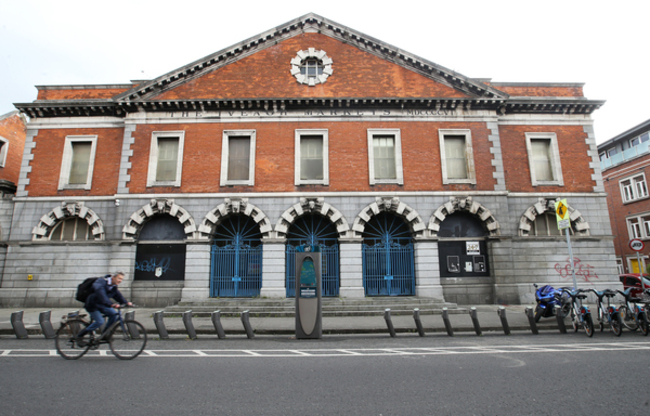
432 322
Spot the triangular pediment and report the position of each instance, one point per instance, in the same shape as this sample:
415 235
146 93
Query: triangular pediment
261 68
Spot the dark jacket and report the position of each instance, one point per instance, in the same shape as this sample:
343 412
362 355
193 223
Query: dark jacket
102 294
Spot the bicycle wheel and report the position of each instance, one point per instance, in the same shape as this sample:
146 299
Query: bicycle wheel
617 324
66 344
127 341
643 323
628 318
588 325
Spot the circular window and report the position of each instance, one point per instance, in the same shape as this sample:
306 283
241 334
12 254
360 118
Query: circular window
311 67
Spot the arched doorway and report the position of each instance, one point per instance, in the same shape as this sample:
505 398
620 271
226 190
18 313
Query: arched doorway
236 258
462 246
160 253
388 260
313 229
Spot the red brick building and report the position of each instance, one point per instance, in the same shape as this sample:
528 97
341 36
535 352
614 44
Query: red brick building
416 180
625 162
12 143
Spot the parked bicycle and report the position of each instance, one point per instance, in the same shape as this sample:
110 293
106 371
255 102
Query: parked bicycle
633 315
580 314
608 314
126 338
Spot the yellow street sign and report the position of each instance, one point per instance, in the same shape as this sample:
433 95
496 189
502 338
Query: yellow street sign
562 214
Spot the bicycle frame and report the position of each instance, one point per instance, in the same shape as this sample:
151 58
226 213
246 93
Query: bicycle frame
580 314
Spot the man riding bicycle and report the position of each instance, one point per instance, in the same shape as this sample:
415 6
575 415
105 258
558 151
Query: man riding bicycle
99 303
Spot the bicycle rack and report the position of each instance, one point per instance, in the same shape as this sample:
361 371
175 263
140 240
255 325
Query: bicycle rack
473 313
46 324
133 330
389 323
216 321
504 320
418 321
189 327
445 319
531 319
160 324
247 325
18 325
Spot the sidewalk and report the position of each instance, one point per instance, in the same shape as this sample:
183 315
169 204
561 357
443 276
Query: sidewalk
375 324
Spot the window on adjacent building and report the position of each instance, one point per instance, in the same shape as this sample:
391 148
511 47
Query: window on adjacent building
634 188
311 163
238 157
165 159
544 159
78 162
385 156
4 147
71 229
457 161
619 266
634 228
639 139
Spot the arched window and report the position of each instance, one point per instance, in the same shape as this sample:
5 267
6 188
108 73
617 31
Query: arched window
71 229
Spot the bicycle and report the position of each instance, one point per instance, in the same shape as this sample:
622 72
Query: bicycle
580 314
126 339
608 314
633 315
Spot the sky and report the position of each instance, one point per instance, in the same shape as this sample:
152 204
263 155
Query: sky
601 44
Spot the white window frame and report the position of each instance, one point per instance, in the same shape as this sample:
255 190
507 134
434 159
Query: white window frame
225 153
399 174
153 158
326 171
556 165
619 265
640 228
630 192
3 151
469 155
66 162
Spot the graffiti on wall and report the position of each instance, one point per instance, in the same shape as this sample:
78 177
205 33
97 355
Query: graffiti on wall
155 266
583 270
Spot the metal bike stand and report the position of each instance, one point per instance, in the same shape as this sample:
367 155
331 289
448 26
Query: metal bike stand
445 319
560 319
418 321
473 313
46 324
189 327
216 321
247 325
133 329
504 320
389 323
18 325
160 324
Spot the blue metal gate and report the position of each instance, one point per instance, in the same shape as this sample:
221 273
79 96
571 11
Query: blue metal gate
388 259
236 261
314 230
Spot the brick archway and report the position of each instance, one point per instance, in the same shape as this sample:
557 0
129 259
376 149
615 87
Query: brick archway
234 206
155 207
464 205
544 205
312 205
65 211
393 205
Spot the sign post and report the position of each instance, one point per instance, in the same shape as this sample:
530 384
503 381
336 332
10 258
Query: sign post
564 223
309 315
637 245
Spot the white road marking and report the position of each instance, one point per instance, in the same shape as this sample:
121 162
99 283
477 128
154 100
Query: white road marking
357 352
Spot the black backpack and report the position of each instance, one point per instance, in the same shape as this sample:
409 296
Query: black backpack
85 289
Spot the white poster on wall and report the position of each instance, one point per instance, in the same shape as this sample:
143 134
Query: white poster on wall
473 248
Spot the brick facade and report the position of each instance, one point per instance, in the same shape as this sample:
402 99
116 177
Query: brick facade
250 87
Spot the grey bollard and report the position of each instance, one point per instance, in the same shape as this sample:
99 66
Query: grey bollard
18 325
133 330
46 324
473 313
418 321
531 319
504 320
189 327
247 325
445 318
216 321
389 323
160 324
560 319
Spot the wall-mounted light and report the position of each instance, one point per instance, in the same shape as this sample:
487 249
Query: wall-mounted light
117 202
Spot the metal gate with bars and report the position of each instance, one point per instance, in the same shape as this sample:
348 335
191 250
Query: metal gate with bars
313 229
236 259
388 259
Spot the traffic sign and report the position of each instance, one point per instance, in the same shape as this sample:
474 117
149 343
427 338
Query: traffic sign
636 244
562 214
